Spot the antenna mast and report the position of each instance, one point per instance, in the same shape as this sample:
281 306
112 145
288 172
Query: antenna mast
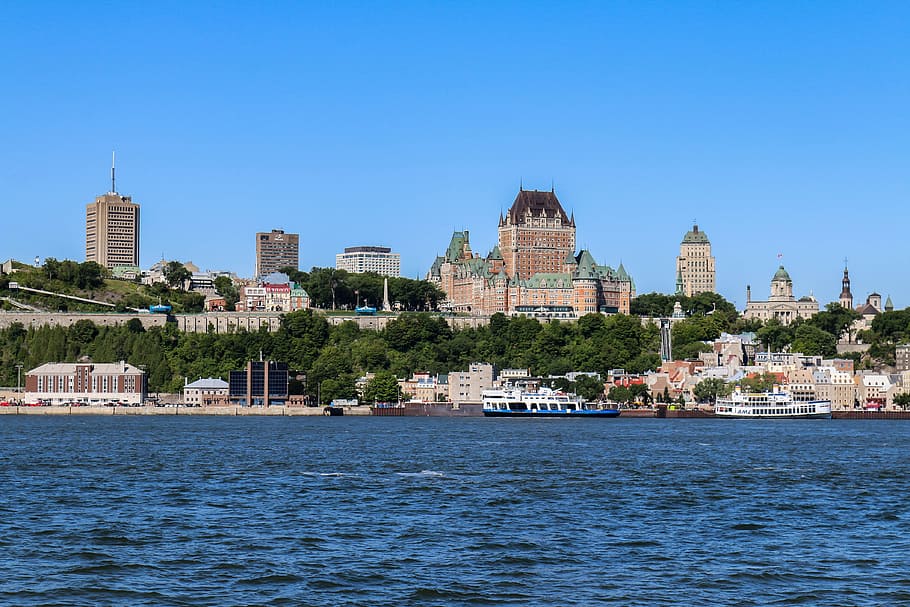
113 180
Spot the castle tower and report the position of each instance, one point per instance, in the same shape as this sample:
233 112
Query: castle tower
695 271
536 235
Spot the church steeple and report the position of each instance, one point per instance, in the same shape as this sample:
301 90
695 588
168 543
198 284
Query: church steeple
846 297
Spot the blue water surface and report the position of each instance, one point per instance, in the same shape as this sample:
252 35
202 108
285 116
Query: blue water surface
440 511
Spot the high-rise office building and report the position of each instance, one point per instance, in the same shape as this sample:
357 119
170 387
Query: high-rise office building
358 260
695 265
112 229
276 250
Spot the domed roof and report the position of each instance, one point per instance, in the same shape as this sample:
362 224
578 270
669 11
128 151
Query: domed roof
781 274
693 236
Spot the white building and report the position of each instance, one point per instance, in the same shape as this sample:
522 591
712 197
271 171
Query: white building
380 260
202 391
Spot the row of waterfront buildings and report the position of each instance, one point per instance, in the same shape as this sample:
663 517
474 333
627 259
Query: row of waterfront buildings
732 359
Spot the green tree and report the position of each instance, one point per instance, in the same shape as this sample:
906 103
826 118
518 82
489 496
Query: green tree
759 383
342 386
775 336
810 339
707 390
175 274
224 286
640 392
902 400
83 332
619 394
382 388
835 320
589 388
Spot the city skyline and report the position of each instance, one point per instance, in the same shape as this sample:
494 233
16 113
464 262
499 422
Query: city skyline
778 129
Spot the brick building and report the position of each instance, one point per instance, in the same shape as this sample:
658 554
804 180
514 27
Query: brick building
85 383
533 270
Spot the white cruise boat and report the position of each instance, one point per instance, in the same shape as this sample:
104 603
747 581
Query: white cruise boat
777 404
514 402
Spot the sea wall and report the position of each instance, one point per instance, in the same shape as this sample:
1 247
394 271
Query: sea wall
232 411
210 322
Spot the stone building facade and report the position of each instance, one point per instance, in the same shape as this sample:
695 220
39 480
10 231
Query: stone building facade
533 270
781 305
695 271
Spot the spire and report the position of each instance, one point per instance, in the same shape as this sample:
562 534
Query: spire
846 297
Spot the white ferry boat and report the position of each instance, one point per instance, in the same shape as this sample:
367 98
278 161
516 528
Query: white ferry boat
514 402
777 404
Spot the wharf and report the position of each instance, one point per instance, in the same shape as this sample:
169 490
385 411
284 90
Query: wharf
870 415
429 410
275 411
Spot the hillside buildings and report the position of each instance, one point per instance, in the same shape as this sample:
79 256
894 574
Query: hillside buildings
533 270
781 305
272 293
276 250
112 230
867 311
695 265
380 260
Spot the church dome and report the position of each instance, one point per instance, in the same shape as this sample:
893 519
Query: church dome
781 274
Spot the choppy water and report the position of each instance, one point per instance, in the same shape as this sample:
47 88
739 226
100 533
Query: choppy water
434 511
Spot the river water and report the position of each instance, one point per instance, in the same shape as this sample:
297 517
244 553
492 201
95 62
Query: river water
436 511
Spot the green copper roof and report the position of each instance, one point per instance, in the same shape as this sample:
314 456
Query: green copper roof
570 259
888 305
455 246
552 280
621 273
694 236
495 253
587 267
781 274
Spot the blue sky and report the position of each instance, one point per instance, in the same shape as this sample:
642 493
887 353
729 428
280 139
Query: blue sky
781 127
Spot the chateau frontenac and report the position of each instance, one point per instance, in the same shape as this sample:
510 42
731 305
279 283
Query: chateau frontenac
534 270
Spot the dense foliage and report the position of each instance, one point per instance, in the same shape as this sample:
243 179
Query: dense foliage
332 358
332 289
329 359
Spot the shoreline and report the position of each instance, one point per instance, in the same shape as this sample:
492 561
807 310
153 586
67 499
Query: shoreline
276 411
424 410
